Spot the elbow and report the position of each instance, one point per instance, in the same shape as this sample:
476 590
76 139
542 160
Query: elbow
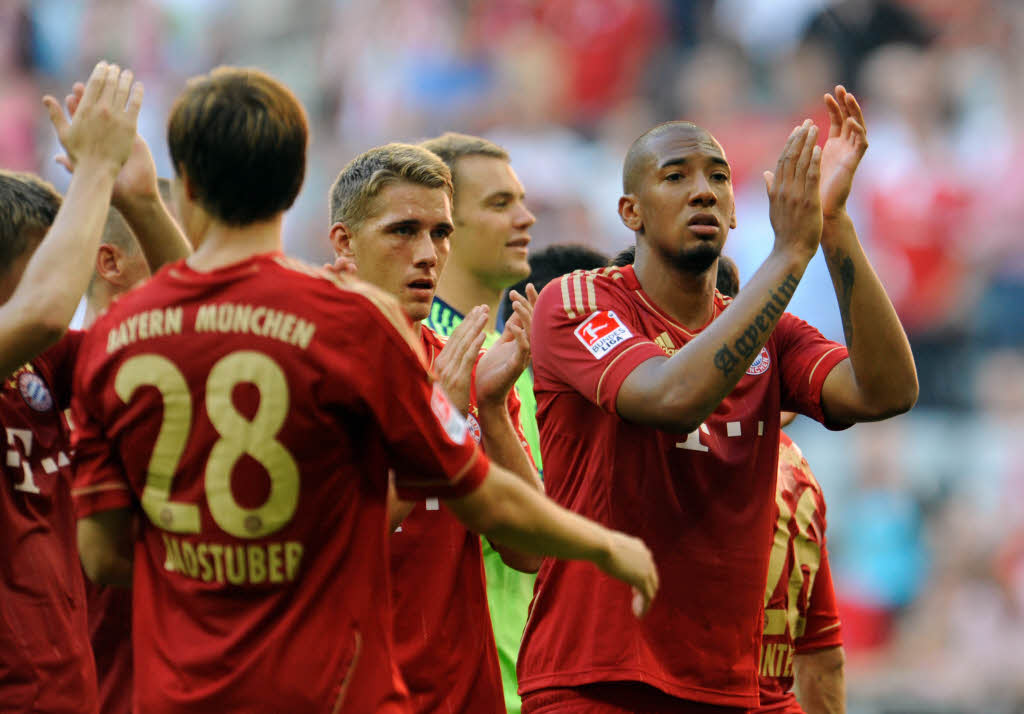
898 400
105 568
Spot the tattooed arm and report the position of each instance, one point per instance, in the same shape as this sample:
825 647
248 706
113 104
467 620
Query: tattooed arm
879 379
678 393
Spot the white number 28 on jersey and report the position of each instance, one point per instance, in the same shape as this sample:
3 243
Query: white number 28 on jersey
238 436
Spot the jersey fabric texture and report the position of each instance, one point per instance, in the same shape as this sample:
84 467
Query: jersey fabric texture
110 631
509 591
444 644
251 414
800 603
702 502
46 663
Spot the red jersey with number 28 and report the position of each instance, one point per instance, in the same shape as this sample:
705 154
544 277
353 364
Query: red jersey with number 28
46 663
444 643
700 501
800 604
251 414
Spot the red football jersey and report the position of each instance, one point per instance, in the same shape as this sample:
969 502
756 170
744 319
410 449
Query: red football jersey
251 414
110 631
46 663
444 643
800 604
700 501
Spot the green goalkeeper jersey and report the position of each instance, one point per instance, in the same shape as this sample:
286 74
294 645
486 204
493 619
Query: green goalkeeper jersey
508 591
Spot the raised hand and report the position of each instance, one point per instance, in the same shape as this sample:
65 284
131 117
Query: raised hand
630 560
454 364
847 141
795 204
137 178
506 359
102 128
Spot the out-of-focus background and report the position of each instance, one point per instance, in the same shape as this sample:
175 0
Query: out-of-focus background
926 512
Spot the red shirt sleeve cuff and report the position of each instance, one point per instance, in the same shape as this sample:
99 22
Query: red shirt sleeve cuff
621 365
106 496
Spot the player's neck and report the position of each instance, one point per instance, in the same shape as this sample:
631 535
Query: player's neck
687 297
463 291
222 245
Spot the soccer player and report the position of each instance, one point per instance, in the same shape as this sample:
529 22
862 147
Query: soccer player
554 262
659 410
47 247
489 252
391 215
247 408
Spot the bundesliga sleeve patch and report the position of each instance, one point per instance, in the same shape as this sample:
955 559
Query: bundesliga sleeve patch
447 415
602 332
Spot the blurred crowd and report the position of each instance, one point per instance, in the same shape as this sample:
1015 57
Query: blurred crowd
926 514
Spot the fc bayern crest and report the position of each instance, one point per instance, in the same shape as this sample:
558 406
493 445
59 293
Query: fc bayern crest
35 392
474 427
761 363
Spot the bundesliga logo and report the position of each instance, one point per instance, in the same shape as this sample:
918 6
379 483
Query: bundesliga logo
760 364
602 332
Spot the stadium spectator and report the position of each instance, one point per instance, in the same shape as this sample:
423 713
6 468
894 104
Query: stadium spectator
396 232
261 551
45 657
659 412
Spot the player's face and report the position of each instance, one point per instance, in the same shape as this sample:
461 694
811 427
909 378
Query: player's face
402 248
492 222
685 200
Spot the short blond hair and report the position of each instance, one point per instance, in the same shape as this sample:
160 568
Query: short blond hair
28 207
364 177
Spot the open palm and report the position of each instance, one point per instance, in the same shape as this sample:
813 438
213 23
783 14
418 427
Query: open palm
847 141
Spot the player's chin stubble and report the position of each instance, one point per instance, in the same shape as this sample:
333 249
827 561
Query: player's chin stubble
696 260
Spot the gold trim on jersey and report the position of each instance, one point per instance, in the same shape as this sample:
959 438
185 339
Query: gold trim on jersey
810 377
98 488
566 300
604 374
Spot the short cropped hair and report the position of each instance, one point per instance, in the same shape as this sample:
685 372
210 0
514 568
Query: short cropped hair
28 207
452 146
116 232
240 138
364 177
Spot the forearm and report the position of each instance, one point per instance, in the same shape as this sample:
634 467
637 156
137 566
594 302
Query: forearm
821 681
502 445
105 546
682 391
880 355
57 275
508 511
160 238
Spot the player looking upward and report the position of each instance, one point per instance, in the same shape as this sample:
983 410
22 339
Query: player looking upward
659 411
390 213
260 557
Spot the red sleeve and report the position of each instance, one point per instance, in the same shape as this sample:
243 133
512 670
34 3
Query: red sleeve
60 361
806 357
584 340
99 483
823 628
514 407
378 362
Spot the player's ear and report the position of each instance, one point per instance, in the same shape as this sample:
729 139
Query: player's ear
732 219
629 213
341 240
108 263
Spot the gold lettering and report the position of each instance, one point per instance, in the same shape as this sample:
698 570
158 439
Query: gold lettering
175 552
292 557
255 325
206 318
144 325
217 550
232 555
132 322
303 334
191 562
169 559
204 565
274 563
156 324
240 321
272 323
112 344
172 320
286 328
224 317
257 564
